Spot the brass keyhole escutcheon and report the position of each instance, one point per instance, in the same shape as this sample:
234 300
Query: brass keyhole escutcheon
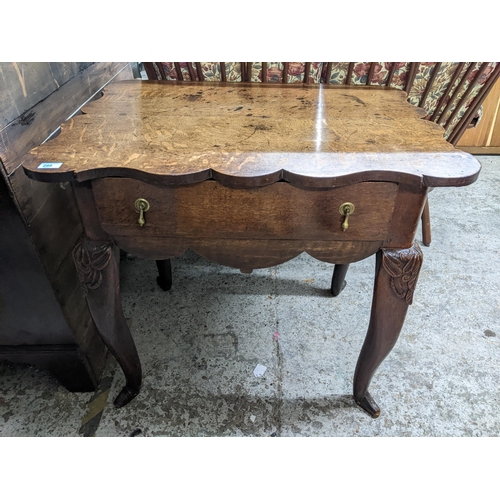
142 206
346 209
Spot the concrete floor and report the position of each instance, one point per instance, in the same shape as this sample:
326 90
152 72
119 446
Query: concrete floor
200 343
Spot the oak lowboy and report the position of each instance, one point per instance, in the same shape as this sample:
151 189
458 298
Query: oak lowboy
250 176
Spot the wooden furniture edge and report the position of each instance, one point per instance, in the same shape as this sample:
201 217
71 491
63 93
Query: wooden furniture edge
480 150
280 175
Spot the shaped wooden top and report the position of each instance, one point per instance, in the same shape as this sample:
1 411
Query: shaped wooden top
247 135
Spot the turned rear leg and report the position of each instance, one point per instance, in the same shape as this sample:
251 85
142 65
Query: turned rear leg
164 278
338 278
426 225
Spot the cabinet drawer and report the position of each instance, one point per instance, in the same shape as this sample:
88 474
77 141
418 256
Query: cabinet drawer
279 211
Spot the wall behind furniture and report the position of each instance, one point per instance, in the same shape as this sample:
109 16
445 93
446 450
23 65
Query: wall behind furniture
485 137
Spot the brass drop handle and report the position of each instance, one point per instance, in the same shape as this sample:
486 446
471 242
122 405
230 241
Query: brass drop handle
141 205
346 209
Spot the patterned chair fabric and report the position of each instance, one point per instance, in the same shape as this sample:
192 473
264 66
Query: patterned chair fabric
445 90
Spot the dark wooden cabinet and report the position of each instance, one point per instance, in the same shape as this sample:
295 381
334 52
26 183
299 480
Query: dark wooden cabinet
44 318
33 328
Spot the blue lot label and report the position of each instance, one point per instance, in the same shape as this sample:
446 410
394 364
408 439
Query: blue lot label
49 165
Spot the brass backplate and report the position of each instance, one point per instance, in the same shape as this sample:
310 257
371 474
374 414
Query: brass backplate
346 208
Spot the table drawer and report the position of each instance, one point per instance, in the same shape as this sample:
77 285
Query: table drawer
279 211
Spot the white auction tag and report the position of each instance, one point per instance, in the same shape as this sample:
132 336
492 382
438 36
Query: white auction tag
49 165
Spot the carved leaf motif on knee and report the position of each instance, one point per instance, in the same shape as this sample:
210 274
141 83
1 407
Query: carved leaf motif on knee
91 259
403 266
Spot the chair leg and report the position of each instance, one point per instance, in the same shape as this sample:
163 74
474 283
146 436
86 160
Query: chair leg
426 225
338 278
164 278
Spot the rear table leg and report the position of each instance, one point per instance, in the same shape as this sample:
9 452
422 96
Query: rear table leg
426 225
338 278
164 278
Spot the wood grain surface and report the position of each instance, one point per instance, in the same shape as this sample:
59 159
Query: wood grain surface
280 211
249 254
246 135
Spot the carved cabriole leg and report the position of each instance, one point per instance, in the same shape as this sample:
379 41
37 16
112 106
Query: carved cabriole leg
338 278
96 259
395 280
164 278
97 266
